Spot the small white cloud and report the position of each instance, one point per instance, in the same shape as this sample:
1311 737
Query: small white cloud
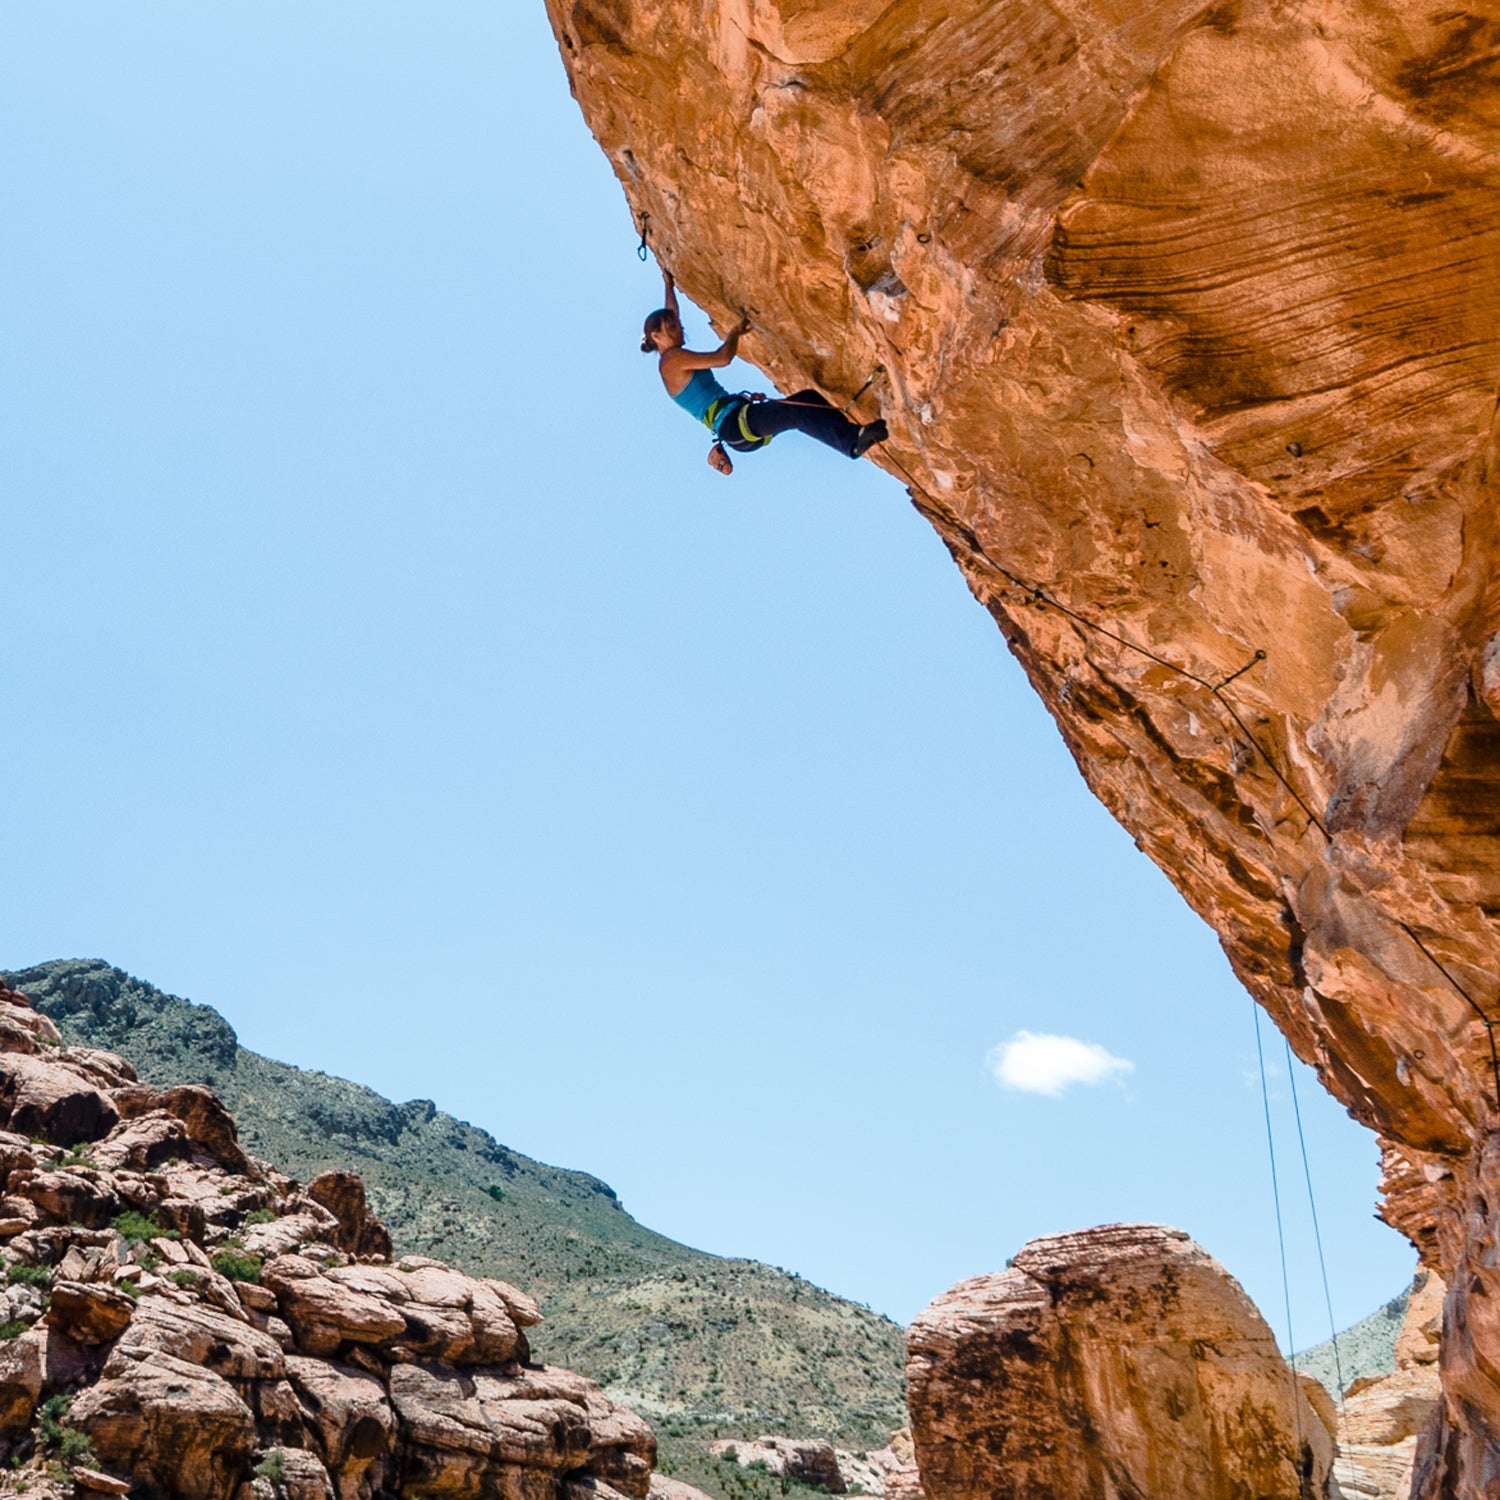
1034 1063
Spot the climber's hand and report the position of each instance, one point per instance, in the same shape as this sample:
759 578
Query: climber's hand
758 396
719 459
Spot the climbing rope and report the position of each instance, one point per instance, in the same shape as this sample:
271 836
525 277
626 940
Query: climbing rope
1312 1207
1038 597
875 375
946 524
1489 1024
1286 1282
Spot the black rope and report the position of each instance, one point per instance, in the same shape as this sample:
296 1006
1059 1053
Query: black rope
844 409
1489 1024
1286 1281
643 249
1038 597
1312 1205
875 375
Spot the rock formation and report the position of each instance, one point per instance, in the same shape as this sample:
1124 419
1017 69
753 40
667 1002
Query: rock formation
810 1461
185 1319
1187 312
1381 1416
1111 1362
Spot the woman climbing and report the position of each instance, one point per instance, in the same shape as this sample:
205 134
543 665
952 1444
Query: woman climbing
742 422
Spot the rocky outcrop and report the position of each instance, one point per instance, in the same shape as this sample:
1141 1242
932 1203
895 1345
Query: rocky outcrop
890 1472
1381 1416
810 1461
1114 1361
1189 318
186 1322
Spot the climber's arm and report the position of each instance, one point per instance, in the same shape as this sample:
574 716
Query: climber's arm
669 295
714 359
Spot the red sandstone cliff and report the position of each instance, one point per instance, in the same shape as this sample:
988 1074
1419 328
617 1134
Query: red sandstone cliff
1188 310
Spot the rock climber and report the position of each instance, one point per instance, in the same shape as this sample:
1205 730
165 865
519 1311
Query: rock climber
742 422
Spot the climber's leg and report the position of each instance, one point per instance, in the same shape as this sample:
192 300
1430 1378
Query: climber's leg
808 412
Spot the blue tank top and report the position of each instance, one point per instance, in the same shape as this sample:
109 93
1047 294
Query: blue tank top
700 393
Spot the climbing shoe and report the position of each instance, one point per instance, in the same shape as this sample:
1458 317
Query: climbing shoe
867 436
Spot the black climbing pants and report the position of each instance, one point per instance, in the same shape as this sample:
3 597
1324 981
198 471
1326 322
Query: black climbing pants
806 411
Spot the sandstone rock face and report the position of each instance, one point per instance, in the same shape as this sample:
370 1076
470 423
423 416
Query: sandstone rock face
1114 1361
266 1334
1381 1417
1188 317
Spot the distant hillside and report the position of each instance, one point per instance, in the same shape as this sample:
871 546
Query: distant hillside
1366 1348
699 1344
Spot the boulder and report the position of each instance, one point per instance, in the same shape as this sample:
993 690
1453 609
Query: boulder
323 1312
663 1488
809 1461
170 1424
343 1195
299 1475
46 1097
205 1336
350 1420
1121 1359
77 1195
23 1363
209 1125
285 1234
91 1313
142 1144
23 1029
479 1432
97 1482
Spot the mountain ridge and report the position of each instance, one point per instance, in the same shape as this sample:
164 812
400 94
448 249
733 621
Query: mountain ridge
701 1344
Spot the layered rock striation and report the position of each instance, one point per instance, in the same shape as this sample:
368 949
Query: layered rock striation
1110 1362
184 1319
1189 317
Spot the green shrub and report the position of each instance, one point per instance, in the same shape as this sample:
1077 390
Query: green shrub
235 1266
137 1227
130 1289
261 1216
498 1194
185 1278
272 1467
76 1447
49 1428
29 1276
12 1330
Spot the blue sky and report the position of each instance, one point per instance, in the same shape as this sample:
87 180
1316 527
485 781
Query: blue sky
387 668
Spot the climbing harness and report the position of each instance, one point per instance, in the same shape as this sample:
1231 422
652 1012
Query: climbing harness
725 407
